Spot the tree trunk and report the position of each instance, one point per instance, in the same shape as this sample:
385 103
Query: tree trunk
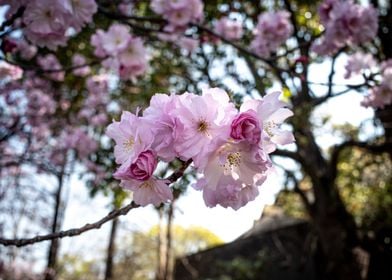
335 226
161 253
169 260
50 273
111 250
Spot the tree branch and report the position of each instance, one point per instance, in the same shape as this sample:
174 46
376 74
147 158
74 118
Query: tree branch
77 231
11 20
290 175
285 153
70 232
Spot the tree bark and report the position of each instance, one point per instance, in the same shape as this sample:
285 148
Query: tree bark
161 253
111 251
335 226
50 273
169 236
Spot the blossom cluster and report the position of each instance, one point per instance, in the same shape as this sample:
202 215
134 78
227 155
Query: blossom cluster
379 76
272 30
122 52
178 13
229 148
381 95
9 72
46 22
19 46
358 63
346 23
229 29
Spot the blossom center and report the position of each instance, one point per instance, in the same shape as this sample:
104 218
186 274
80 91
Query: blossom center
202 126
234 159
128 144
269 127
146 184
48 14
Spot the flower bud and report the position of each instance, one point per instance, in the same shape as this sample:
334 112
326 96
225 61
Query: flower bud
246 127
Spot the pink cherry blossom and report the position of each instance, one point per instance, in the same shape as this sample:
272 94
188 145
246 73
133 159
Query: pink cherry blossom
229 29
381 95
79 140
230 193
141 169
229 149
272 30
378 97
246 126
96 41
132 136
125 53
357 63
9 72
152 191
206 121
78 61
115 39
179 12
9 45
241 161
126 8
26 51
53 67
167 125
271 113
133 59
82 12
46 19
346 23
188 44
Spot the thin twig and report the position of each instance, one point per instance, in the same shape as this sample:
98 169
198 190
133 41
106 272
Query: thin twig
11 20
70 232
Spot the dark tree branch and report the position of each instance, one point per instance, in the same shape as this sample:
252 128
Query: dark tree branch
11 20
201 28
285 153
77 231
256 77
39 70
70 232
290 175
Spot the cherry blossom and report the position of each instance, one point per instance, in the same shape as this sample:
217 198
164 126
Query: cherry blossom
230 149
346 23
179 12
357 63
79 61
124 52
140 169
272 30
153 191
131 137
229 29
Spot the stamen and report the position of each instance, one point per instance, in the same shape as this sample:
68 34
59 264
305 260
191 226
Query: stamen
202 126
232 160
147 184
269 126
128 145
